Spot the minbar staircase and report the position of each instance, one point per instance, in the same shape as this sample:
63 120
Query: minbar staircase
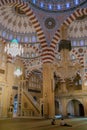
32 100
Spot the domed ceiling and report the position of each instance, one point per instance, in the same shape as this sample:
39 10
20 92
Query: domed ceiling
56 5
14 23
78 28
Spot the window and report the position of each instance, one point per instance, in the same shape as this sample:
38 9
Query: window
58 7
4 34
74 43
34 1
25 39
73 57
32 54
85 59
10 37
80 82
41 5
33 38
50 6
82 43
76 2
67 5
18 38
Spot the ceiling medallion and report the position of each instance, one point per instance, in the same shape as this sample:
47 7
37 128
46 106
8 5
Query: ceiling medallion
50 23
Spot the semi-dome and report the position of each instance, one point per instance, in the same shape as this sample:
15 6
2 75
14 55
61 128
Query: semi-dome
78 29
14 23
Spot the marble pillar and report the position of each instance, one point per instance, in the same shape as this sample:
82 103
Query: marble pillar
48 90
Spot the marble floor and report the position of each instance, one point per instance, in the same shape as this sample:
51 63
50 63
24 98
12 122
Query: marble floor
41 124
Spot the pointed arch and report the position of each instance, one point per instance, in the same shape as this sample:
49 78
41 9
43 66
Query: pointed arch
28 11
67 22
31 73
75 107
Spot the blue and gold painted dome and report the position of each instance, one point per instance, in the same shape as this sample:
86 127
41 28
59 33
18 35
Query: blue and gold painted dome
56 5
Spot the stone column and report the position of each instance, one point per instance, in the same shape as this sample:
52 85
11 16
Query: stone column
48 90
85 106
10 74
64 106
63 87
4 104
64 33
10 83
7 89
84 83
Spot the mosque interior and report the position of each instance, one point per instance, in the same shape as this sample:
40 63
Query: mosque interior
43 58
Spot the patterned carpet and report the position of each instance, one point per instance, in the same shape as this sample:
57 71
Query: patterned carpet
42 124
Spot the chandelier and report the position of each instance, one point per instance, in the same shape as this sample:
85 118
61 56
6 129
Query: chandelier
14 49
18 72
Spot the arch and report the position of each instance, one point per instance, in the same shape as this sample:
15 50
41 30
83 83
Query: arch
58 107
31 73
16 96
30 69
75 108
79 57
15 106
28 11
67 22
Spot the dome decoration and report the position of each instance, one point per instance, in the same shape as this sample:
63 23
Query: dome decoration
78 29
50 23
10 19
15 24
56 5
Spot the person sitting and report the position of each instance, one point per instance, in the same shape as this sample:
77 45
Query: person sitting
53 122
63 123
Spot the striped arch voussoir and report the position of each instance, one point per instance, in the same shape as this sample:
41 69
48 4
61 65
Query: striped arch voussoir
30 74
67 22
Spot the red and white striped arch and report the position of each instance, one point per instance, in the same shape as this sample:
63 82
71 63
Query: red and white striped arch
47 52
67 22
79 56
31 73
28 11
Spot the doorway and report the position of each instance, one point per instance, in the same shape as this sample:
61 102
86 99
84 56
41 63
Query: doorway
75 108
81 110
